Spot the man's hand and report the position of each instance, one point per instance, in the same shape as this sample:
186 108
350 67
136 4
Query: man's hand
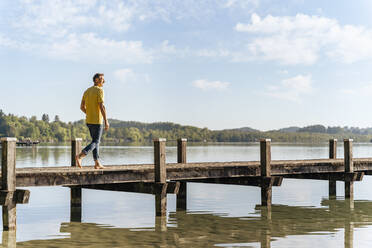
107 125
103 111
82 106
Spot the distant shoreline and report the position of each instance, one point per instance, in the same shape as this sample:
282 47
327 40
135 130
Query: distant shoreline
132 132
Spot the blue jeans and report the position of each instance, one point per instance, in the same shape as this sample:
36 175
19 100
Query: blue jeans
96 133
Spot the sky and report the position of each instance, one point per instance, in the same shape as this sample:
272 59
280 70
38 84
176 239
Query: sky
219 64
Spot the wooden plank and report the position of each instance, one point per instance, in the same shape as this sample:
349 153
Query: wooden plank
332 176
53 176
159 160
242 181
181 151
20 196
141 187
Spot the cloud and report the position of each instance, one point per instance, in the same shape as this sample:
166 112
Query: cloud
291 88
59 16
243 4
90 47
283 72
76 30
127 75
62 16
303 39
364 90
210 85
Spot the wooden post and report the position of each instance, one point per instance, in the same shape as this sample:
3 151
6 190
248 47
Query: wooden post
332 191
159 160
349 167
8 181
333 148
265 158
161 204
75 150
160 176
75 192
182 197
75 204
181 151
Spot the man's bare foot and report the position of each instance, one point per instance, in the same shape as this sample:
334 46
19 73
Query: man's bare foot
78 159
98 165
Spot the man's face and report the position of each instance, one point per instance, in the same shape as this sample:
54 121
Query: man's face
101 80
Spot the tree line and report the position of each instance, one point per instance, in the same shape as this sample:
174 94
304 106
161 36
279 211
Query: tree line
46 130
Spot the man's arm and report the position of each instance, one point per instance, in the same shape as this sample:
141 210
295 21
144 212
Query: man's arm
82 106
103 111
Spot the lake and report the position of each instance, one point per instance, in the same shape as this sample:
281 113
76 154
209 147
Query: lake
216 216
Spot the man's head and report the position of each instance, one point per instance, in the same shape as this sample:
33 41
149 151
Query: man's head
98 79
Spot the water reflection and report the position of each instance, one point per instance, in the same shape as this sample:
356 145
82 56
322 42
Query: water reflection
203 229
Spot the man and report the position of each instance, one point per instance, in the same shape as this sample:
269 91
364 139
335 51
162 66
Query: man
93 106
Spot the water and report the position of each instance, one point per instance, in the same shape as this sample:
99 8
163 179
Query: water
216 216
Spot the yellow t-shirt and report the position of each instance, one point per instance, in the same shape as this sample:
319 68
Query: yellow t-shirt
92 97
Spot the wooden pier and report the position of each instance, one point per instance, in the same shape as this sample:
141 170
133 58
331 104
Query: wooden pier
161 178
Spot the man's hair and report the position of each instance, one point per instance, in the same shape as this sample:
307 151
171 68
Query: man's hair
97 75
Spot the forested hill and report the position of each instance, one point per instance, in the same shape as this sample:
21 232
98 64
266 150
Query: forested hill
55 130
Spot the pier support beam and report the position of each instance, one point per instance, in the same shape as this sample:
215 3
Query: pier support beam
349 167
75 204
265 159
181 151
75 192
332 192
181 158
161 204
8 181
182 197
160 176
